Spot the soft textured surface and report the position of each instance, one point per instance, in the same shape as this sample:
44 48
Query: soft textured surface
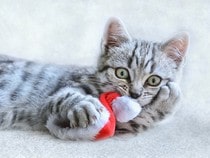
69 32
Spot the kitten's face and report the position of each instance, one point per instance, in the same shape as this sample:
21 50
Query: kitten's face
137 68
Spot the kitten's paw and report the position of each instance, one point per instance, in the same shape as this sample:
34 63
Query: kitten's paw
77 117
84 113
168 97
163 94
73 109
169 93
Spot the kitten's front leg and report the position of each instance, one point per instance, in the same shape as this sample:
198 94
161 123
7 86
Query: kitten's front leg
162 105
72 109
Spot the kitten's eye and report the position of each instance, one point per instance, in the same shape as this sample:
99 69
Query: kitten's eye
154 80
122 73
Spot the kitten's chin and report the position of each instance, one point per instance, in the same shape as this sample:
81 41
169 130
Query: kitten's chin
144 102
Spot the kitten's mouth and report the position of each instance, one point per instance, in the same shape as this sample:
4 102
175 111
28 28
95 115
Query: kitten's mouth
123 90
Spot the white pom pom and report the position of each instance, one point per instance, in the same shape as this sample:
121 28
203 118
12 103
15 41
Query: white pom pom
125 108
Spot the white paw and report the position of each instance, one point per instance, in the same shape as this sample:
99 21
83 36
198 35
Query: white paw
85 112
163 94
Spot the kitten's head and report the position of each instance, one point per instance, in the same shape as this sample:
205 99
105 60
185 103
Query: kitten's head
138 68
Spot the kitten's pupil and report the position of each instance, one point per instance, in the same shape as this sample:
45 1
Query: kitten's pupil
122 73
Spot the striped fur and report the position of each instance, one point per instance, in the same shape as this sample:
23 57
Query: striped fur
30 93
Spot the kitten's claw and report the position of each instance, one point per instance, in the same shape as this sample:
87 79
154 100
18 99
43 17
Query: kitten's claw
72 119
93 113
81 117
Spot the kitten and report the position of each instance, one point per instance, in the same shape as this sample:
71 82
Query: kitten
145 71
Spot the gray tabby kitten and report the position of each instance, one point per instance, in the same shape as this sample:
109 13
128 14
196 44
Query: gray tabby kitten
146 71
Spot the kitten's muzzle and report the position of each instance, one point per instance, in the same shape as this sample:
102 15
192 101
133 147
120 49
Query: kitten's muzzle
135 95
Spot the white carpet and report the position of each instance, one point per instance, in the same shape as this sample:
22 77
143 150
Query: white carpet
69 32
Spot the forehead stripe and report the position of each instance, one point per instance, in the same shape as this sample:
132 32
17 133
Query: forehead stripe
131 59
150 55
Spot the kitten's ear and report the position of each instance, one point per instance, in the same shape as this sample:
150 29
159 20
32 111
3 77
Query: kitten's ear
176 47
115 33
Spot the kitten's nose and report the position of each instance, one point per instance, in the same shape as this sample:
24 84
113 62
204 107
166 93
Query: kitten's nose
135 95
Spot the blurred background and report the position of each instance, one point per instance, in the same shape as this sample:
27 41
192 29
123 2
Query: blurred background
69 31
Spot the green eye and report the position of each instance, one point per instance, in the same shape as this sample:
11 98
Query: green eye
154 80
122 73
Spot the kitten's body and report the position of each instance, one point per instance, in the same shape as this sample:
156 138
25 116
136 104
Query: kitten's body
30 92
26 88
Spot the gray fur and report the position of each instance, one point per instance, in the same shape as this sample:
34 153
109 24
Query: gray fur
30 93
